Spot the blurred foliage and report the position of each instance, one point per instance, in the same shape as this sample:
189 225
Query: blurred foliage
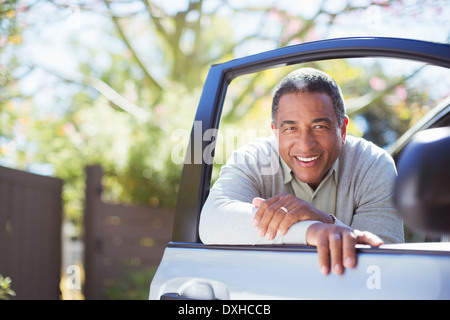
9 35
124 75
133 285
5 288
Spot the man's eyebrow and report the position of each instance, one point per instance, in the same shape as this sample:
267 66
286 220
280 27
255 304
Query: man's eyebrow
288 122
321 120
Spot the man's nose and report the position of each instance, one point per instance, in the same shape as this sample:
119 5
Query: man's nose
306 141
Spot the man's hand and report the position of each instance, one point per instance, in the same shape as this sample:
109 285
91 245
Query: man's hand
334 243
337 243
277 214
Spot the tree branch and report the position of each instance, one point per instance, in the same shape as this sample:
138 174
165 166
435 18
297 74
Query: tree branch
108 92
152 81
357 105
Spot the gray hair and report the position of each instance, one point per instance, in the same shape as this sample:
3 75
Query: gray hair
311 81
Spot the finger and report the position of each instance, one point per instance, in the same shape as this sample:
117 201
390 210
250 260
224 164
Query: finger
271 212
274 224
335 243
323 252
257 202
261 209
366 237
288 220
349 250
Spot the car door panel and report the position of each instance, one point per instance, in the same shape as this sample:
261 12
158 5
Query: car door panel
220 272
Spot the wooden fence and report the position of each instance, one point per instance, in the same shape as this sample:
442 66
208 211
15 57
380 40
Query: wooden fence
120 239
30 233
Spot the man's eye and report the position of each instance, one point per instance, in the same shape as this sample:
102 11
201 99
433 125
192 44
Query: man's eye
319 126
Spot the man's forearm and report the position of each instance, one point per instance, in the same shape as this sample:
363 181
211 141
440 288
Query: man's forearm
230 222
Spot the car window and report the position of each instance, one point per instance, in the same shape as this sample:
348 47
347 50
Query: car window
384 97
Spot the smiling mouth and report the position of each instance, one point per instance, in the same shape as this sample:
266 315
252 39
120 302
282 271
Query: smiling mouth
308 159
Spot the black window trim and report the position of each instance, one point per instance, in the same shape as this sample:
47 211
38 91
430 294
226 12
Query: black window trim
300 248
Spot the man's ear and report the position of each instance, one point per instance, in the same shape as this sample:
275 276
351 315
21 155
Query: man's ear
344 129
274 130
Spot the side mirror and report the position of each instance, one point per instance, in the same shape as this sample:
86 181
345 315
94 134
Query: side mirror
422 190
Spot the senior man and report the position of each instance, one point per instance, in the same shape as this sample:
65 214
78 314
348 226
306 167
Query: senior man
309 183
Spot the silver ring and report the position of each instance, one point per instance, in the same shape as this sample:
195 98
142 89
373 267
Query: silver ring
336 236
284 209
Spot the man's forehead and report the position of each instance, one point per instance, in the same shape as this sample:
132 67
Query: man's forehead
302 106
305 96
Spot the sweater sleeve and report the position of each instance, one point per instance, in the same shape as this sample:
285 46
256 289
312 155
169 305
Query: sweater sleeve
227 214
374 207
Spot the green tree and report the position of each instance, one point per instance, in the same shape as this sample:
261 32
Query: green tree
132 73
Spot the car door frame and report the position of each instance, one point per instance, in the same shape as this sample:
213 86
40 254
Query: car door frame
186 260
196 174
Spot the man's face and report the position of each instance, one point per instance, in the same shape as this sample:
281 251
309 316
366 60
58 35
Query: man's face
310 139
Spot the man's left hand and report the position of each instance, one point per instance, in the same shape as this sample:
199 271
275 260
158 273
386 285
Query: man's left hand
336 245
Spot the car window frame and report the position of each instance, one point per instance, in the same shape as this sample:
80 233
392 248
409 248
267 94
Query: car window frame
196 176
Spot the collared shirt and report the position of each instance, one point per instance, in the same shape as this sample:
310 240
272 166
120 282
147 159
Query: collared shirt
324 196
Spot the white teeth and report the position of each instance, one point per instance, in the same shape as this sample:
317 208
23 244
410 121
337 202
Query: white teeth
308 159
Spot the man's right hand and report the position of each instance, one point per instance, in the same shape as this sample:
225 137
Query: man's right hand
277 214
336 245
